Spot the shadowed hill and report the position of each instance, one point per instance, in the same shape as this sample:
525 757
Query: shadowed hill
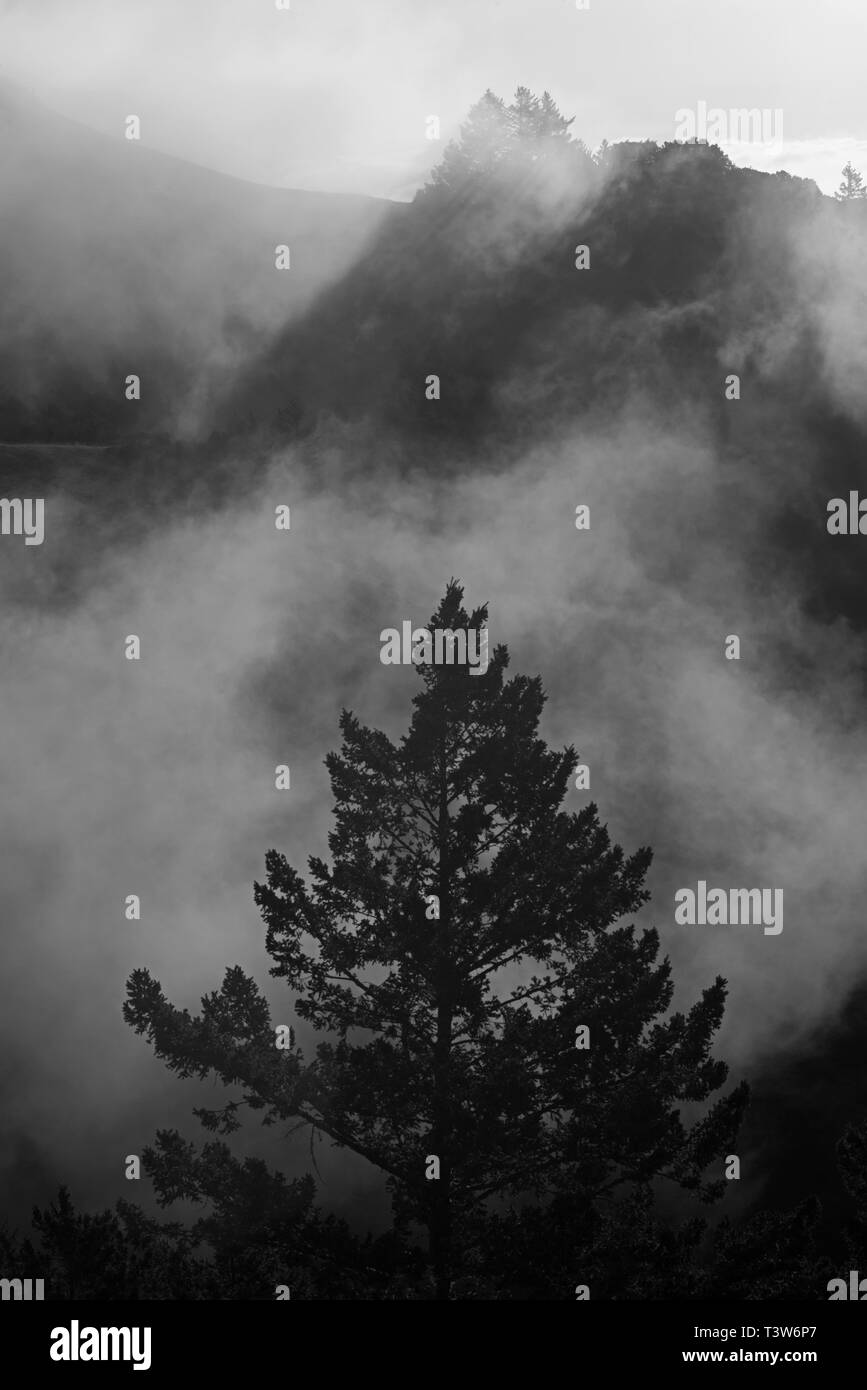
116 259
481 289
698 271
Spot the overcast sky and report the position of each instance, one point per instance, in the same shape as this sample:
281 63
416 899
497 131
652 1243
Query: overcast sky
334 94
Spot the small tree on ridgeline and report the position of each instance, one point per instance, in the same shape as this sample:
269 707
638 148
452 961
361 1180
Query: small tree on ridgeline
852 185
466 929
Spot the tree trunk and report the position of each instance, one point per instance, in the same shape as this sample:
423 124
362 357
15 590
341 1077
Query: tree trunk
440 1223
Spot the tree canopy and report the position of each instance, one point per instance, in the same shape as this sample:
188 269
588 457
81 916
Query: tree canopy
467 931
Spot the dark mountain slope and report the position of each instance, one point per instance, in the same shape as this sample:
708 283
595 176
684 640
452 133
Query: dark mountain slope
116 259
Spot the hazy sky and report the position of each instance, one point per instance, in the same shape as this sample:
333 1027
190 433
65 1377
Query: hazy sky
335 95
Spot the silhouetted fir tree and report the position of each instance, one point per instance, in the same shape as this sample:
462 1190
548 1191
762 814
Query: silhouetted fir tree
119 1254
463 1025
768 1255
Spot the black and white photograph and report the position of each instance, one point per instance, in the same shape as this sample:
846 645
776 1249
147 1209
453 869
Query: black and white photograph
433 692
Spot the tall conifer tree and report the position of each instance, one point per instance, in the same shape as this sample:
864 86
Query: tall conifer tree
467 928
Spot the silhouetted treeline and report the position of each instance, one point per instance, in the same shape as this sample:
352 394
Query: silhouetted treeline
540 1254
